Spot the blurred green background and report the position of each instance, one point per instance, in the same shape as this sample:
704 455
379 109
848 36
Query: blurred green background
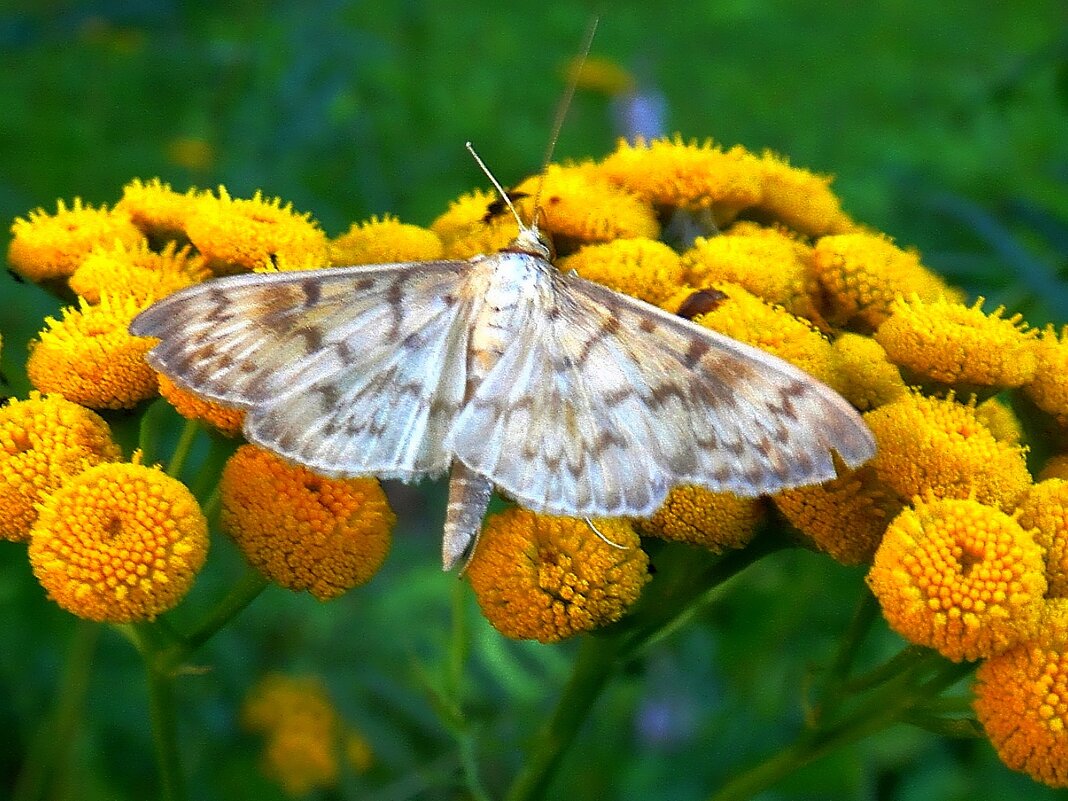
946 125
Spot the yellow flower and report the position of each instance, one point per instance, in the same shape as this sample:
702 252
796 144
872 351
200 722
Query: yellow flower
1056 467
156 209
301 530
960 577
193 407
304 732
767 263
119 542
467 229
862 273
548 578
846 517
1045 509
1021 700
799 199
599 74
714 520
641 268
239 235
866 378
1000 419
1049 388
579 206
384 241
938 445
956 344
743 316
668 172
137 272
44 440
50 246
91 358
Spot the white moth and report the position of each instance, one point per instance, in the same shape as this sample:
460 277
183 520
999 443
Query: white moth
566 396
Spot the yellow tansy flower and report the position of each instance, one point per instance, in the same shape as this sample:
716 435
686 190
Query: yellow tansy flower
548 578
579 206
193 407
137 272
669 172
50 246
599 74
119 542
1021 700
866 377
715 520
1056 467
467 229
1045 509
156 209
799 199
304 733
1049 388
956 344
44 440
999 417
961 577
385 241
863 273
301 530
91 358
938 445
745 317
239 235
845 517
641 268
769 264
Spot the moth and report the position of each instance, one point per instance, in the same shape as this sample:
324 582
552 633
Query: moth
564 395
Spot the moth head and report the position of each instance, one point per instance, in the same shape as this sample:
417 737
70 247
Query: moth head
532 242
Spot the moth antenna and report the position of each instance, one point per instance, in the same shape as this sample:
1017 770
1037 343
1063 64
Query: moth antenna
603 538
500 189
561 114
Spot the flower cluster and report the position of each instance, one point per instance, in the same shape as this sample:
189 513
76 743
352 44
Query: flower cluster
307 741
968 552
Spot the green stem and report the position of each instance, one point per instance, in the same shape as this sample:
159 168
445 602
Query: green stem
162 712
181 450
241 595
591 671
46 770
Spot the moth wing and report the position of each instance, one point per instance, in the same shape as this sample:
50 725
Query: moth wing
349 371
605 403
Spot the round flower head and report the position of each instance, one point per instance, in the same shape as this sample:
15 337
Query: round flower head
938 445
599 74
239 235
961 577
767 263
302 728
999 417
866 378
579 206
1045 509
799 199
301 530
49 246
862 273
1049 388
227 420
119 542
469 227
668 172
717 521
156 209
91 358
641 268
952 343
549 578
1021 700
845 517
137 272
743 316
384 241
44 440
